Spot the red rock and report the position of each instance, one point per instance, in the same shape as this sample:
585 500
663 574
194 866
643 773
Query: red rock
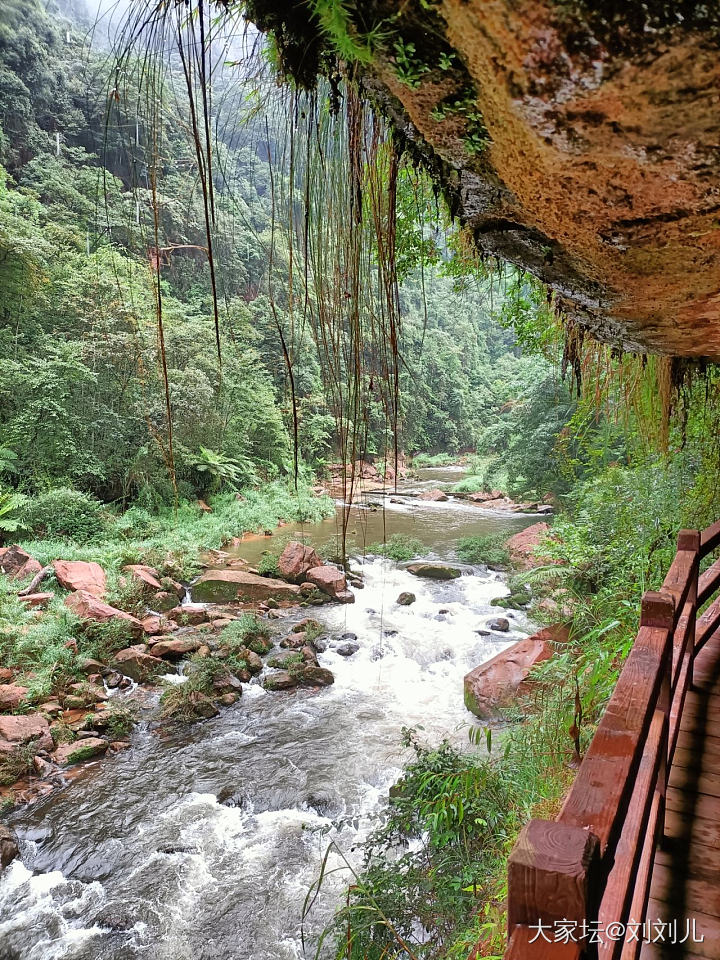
81 575
146 575
522 545
190 613
88 607
495 683
135 663
221 586
24 729
80 750
11 696
37 599
482 496
296 559
435 496
176 647
158 625
6 674
17 564
331 581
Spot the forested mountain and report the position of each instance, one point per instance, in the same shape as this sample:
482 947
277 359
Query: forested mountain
82 395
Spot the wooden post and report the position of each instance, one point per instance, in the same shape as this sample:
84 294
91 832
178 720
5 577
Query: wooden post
552 874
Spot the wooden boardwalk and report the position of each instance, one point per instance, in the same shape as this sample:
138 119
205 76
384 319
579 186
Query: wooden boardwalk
686 870
631 865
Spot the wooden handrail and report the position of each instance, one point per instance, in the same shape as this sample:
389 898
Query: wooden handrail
592 866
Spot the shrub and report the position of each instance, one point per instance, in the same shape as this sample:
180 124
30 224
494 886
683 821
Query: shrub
490 550
63 512
269 563
399 547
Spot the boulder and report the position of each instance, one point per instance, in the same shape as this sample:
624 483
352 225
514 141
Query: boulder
295 561
521 546
499 624
310 675
495 683
434 496
20 730
223 586
279 680
190 613
148 576
347 649
17 564
154 626
39 600
8 847
11 696
80 575
406 598
434 571
89 608
85 749
175 647
135 663
330 580
6 674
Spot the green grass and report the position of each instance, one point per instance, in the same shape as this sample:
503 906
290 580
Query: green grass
399 547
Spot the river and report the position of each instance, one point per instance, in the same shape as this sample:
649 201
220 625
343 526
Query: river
200 843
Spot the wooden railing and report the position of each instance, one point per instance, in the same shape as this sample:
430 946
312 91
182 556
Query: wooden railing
592 866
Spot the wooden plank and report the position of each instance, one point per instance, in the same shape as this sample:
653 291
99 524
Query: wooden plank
602 789
689 781
706 926
520 947
710 539
699 741
638 906
683 639
693 859
698 890
699 805
681 826
623 878
708 583
653 951
707 624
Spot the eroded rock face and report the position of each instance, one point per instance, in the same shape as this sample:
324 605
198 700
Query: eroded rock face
584 147
522 546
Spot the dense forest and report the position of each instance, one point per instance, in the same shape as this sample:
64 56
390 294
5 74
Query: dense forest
208 308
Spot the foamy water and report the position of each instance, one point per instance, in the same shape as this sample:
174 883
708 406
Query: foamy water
202 842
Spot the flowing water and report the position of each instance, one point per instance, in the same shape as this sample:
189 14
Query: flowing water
202 842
